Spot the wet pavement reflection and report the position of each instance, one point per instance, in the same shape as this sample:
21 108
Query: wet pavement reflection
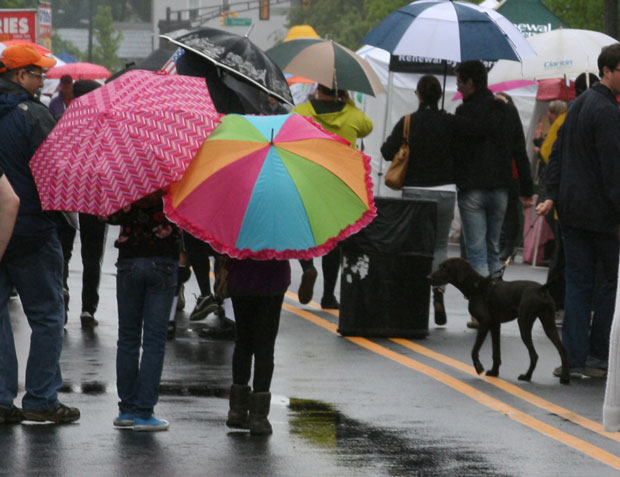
361 446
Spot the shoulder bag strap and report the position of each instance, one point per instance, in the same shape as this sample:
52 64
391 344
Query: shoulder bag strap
406 128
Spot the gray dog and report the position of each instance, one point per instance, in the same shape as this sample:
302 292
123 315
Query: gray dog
493 302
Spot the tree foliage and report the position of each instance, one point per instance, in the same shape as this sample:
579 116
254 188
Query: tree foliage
585 15
72 13
59 45
348 21
108 40
18 3
344 21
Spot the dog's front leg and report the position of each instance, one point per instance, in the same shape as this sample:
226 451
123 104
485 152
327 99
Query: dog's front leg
483 329
497 356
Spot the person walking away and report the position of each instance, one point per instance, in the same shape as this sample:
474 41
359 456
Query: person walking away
148 259
336 112
430 171
583 181
32 262
257 289
93 233
484 168
199 252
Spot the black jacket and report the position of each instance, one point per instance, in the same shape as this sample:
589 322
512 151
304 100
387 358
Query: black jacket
430 136
583 175
486 162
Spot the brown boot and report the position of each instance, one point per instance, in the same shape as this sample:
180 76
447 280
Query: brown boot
259 410
239 403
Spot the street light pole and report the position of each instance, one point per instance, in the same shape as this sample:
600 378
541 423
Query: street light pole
90 31
611 18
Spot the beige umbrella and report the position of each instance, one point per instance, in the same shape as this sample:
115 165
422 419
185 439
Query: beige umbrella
328 63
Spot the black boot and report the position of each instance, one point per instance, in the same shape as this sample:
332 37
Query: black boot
440 310
239 403
259 410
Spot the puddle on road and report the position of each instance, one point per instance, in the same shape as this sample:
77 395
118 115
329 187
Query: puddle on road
389 451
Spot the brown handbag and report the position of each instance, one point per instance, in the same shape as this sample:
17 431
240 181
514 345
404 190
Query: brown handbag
395 175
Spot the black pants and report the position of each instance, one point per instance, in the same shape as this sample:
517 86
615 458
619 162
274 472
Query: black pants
330 263
512 223
199 253
257 320
93 234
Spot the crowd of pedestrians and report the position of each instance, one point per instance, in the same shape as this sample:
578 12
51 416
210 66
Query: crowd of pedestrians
470 160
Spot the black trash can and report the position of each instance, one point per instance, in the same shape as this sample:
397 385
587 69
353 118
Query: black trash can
383 286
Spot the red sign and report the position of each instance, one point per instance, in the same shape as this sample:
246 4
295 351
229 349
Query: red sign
18 25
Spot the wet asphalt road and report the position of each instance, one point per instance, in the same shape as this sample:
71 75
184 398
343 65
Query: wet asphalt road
341 406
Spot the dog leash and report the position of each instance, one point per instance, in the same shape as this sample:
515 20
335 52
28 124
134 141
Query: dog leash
500 273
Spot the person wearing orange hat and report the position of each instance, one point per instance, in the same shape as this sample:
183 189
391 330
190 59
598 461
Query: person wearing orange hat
33 260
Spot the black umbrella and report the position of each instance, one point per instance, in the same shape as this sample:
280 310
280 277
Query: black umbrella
236 54
154 62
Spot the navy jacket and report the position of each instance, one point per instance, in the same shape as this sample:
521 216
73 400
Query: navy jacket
24 124
583 175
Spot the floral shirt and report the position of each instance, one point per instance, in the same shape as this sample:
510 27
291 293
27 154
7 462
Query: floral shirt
145 230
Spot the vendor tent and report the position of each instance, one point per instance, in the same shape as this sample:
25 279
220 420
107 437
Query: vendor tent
404 101
529 16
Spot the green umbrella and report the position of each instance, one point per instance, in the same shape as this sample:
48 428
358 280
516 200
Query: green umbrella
327 63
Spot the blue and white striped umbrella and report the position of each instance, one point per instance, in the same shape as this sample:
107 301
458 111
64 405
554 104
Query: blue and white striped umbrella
449 30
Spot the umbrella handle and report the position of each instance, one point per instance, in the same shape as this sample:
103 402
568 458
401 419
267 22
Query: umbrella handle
249 30
443 93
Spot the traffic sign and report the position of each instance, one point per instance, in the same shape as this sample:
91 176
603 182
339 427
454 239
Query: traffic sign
237 21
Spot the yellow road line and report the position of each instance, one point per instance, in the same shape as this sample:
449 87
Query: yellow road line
500 383
484 399
512 389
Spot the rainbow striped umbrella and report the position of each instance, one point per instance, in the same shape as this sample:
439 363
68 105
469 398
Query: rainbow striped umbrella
268 187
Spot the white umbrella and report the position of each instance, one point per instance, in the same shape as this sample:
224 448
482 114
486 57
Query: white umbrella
449 30
563 53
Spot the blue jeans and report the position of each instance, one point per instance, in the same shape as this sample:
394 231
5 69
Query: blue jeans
482 215
37 278
145 290
584 251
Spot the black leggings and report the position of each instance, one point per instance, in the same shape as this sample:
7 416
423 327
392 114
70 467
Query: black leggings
257 320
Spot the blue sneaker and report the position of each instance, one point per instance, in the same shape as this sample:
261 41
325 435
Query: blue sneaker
152 424
125 420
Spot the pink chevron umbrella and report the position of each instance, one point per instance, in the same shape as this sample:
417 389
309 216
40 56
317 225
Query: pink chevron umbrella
118 143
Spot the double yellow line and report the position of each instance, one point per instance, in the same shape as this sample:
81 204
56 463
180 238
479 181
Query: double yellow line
482 398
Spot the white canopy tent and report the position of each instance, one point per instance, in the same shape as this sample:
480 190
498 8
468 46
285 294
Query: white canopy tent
400 89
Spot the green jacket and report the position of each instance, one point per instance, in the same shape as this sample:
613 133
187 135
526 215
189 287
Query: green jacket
349 123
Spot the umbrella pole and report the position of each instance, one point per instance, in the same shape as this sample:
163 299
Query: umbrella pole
445 73
388 113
